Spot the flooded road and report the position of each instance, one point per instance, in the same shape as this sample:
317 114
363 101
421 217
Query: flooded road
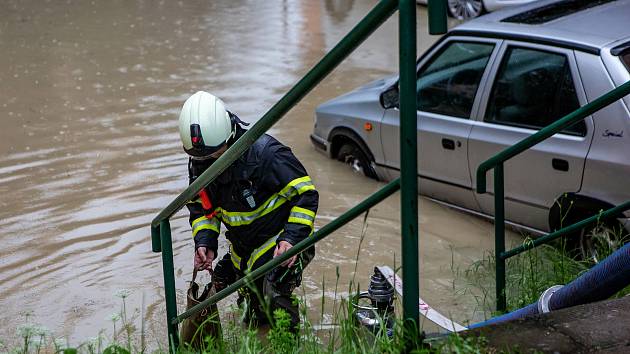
90 152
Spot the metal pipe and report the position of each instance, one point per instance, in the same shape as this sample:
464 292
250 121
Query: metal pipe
612 212
155 239
381 12
563 123
169 282
437 16
329 228
499 237
408 159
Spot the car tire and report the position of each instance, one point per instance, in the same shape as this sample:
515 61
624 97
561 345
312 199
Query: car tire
349 153
465 9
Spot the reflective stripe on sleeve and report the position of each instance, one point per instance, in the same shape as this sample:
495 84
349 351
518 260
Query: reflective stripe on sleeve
203 223
302 216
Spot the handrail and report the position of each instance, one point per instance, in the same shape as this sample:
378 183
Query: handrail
160 226
381 12
612 212
319 235
496 163
548 131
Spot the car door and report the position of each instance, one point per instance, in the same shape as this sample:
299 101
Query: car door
533 86
447 85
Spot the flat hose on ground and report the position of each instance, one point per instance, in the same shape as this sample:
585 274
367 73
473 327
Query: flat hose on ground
599 283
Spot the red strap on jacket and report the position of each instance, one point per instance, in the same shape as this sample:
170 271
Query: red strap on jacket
207 204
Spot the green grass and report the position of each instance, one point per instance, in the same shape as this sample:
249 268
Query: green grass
528 274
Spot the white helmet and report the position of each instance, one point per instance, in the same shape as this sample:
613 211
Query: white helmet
205 125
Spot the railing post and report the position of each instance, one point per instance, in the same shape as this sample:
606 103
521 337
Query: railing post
156 245
169 283
437 16
408 160
499 239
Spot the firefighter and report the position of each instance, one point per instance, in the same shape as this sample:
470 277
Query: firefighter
265 199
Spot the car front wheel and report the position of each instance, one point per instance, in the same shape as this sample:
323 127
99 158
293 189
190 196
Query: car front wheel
352 155
465 9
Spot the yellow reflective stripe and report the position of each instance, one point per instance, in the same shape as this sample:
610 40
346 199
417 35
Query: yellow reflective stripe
297 209
205 227
198 220
237 218
305 188
258 252
203 223
293 188
297 186
302 216
236 259
302 221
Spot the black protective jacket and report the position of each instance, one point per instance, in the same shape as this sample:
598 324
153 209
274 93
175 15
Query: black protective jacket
264 193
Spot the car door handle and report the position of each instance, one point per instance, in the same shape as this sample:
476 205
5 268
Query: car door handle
560 164
448 144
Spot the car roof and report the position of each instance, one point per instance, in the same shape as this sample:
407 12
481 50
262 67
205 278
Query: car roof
598 24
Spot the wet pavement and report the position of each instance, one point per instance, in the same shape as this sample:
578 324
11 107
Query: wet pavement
90 153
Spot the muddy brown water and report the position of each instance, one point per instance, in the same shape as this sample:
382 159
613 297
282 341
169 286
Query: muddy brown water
89 151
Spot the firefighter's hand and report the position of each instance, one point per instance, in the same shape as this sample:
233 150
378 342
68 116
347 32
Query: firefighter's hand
203 259
282 247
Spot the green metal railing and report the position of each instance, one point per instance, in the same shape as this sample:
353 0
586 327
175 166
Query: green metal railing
496 162
160 226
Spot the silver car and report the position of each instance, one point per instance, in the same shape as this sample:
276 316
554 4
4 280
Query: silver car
490 83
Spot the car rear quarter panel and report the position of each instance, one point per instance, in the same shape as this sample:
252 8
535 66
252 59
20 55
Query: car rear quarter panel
607 166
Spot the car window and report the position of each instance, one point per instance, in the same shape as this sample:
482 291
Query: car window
448 84
533 89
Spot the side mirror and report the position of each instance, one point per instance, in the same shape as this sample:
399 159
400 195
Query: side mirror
390 97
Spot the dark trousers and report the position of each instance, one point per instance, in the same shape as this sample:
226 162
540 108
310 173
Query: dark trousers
275 288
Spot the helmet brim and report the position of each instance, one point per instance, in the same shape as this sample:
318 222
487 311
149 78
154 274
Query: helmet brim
203 152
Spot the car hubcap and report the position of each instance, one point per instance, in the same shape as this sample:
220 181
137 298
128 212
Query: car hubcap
465 9
354 163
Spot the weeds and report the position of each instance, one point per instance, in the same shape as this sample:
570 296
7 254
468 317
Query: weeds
528 274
